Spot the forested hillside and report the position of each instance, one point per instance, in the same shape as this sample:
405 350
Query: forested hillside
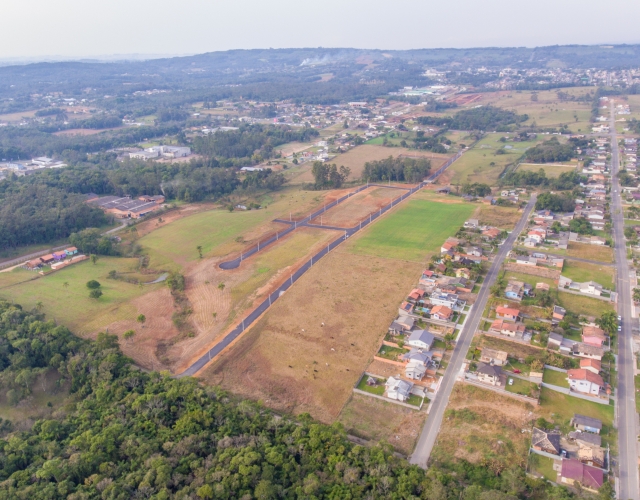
128 434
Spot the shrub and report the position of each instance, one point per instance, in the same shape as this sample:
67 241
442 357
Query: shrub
95 294
93 285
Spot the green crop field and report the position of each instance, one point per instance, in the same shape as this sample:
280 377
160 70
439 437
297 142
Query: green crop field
413 232
71 305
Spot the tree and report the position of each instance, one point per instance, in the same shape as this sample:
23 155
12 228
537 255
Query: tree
636 294
141 319
39 306
95 294
199 248
448 340
128 335
93 284
94 258
608 322
221 286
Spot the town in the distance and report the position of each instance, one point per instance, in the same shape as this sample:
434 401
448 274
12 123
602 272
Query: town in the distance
322 273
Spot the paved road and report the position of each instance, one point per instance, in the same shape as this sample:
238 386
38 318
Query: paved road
627 416
427 438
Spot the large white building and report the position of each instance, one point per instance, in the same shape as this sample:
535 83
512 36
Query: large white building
161 151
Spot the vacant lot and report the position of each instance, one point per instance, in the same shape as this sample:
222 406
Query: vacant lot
358 156
591 252
501 217
358 207
414 231
293 363
551 170
380 421
581 272
583 305
482 426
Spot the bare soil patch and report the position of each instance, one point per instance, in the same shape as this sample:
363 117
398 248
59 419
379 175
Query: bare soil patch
291 362
380 421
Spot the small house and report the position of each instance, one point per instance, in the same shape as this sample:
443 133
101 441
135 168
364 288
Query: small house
591 455
33 264
442 313
58 256
71 251
509 329
586 424
592 365
489 374
398 389
405 308
573 471
558 312
463 272
555 339
507 313
491 233
586 438
421 339
592 335
587 351
415 295
47 259
585 381
547 441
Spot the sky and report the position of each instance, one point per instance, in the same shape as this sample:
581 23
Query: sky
37 29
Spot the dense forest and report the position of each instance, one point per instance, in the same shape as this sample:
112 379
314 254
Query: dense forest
396 169
483 118
556 202
124 434
550 151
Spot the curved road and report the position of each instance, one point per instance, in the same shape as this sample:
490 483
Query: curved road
427 438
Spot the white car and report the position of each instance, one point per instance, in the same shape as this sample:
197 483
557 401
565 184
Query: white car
510 381
619 318
619 328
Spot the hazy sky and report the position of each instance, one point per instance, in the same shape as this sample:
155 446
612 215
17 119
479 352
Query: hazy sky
80 28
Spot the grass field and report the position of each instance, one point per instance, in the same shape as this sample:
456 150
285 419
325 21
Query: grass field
380 421
591 252
555 378
551 170
501 217
543 466
583 305
482 426
481 164
414 231
581 272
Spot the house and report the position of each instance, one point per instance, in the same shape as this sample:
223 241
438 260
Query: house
47 259
489 374
405 322
447 247
33 264
491 233
463 285
398 389
493 357
164 151
58 256
592 335
585 381
547 441
530 243
574 471
421 339
473 251
591 455
444 299
405 308
592 365
427 278
591 288
415 295
463 272
507 313
371 381
510 329
586 438
71 251
558 312
415 370
586 424
526 260
555 339
471 224
159 199
442 313
587 351
516 290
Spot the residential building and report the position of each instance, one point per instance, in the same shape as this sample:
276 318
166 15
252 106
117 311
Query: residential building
421 339
587 351
398 389
489 374
591 455
547 441
493 357
71 251
555 339
586 438
507 313
406 322
491 233
592 335
585 381
592 365
405 308
463 272
449 300
573 471
509 329
586 424
442 313
415 295
558 313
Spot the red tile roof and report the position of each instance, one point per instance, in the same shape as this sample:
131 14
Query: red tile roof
583 374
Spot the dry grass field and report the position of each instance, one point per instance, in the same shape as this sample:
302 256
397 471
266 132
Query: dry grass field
357 157
483 427
292 363
379 421
501 217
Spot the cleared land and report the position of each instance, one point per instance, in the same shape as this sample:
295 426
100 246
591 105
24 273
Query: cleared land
501 217
351 211
591 252
358 156
380 421
414 231
482 426
581 272
551 170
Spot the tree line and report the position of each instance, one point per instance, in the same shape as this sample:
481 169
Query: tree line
396 169
125 433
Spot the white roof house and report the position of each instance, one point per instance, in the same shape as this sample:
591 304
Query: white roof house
398 389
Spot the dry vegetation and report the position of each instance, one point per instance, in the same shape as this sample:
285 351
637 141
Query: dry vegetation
379 421
502 217
291 362
484 427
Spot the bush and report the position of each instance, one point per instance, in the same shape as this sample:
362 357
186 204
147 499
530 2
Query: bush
93 284
95 294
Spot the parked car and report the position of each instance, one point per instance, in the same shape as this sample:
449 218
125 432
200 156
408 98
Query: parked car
510 381
619 328
619 318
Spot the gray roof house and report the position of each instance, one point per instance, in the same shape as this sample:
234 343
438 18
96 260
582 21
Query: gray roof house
587 424
421 338
398 389
547 441
586 438
418 355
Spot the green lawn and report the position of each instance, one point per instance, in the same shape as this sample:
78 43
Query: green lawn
390 353
413 232
581 272
555 378
522 387
514 364
376 389
71 305
544 466
583 305
561 408
637 384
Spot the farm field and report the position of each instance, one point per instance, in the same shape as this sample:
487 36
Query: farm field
484 427
293 363
481 164
583 305
581 272
381 421
550 169
351 211
412 232
358 156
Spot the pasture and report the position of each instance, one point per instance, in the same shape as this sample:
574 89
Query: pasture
413 231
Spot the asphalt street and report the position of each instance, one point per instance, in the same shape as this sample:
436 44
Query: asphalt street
427 438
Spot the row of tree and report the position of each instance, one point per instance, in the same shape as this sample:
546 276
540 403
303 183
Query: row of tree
396 169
